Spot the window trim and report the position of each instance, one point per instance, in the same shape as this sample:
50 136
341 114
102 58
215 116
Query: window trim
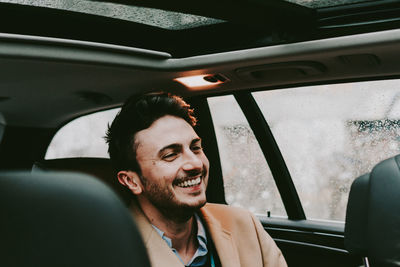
272 154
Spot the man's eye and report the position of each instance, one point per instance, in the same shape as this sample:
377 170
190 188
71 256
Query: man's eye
197 148
170 156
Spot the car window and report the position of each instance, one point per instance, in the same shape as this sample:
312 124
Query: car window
247 178
331 134
82 137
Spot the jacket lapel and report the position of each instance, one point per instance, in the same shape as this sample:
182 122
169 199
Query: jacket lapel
159 253
223 242
162 256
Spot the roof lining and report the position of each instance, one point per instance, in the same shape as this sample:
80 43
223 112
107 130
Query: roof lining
55 49
118 75
83 44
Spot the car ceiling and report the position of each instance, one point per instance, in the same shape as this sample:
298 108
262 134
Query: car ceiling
49 79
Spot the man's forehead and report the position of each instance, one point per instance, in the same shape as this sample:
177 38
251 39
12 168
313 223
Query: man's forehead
165 131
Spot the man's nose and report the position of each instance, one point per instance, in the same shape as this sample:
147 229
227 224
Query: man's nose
192 161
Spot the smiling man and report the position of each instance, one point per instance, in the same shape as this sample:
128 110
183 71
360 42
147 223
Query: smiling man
159 157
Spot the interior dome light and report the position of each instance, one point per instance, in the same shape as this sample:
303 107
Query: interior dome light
202 81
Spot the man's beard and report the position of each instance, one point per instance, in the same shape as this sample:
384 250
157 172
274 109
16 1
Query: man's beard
164 199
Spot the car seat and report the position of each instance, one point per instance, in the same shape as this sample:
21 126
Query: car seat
373 215
356 218
100 168
65 219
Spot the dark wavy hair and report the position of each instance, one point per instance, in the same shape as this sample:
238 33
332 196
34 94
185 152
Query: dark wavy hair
138 113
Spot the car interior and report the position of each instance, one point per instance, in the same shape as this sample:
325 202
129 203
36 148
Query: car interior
278 70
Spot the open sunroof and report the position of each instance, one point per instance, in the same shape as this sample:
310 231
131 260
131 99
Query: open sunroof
327 3
190 28
169 20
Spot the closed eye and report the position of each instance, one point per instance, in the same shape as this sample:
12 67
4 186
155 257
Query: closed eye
196 145
196 148
170 156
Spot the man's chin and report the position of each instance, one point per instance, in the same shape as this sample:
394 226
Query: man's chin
194 205
200 204
181 212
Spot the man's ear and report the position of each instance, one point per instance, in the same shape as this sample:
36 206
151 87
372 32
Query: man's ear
131 180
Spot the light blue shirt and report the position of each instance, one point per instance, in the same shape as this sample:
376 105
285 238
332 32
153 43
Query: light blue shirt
200 257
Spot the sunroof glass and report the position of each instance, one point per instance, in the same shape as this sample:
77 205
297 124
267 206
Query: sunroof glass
326 3
149 16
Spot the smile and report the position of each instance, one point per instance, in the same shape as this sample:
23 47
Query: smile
190 183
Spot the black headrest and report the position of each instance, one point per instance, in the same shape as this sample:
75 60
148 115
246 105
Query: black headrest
355 238
65 219
384 213
99 167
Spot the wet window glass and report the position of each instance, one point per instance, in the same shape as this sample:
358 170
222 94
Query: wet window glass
83 137
326 3
247 178
150 16
331 134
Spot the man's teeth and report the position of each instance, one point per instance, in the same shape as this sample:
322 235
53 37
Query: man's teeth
189 183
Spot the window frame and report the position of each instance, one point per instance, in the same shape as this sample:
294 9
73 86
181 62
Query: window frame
272 155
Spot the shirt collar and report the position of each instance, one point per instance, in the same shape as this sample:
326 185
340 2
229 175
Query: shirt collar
199 257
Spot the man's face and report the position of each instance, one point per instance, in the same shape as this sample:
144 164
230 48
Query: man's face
174 168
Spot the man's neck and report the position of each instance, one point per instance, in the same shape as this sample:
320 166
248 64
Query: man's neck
182 232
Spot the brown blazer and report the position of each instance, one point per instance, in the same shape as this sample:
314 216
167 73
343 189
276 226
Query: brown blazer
239 238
